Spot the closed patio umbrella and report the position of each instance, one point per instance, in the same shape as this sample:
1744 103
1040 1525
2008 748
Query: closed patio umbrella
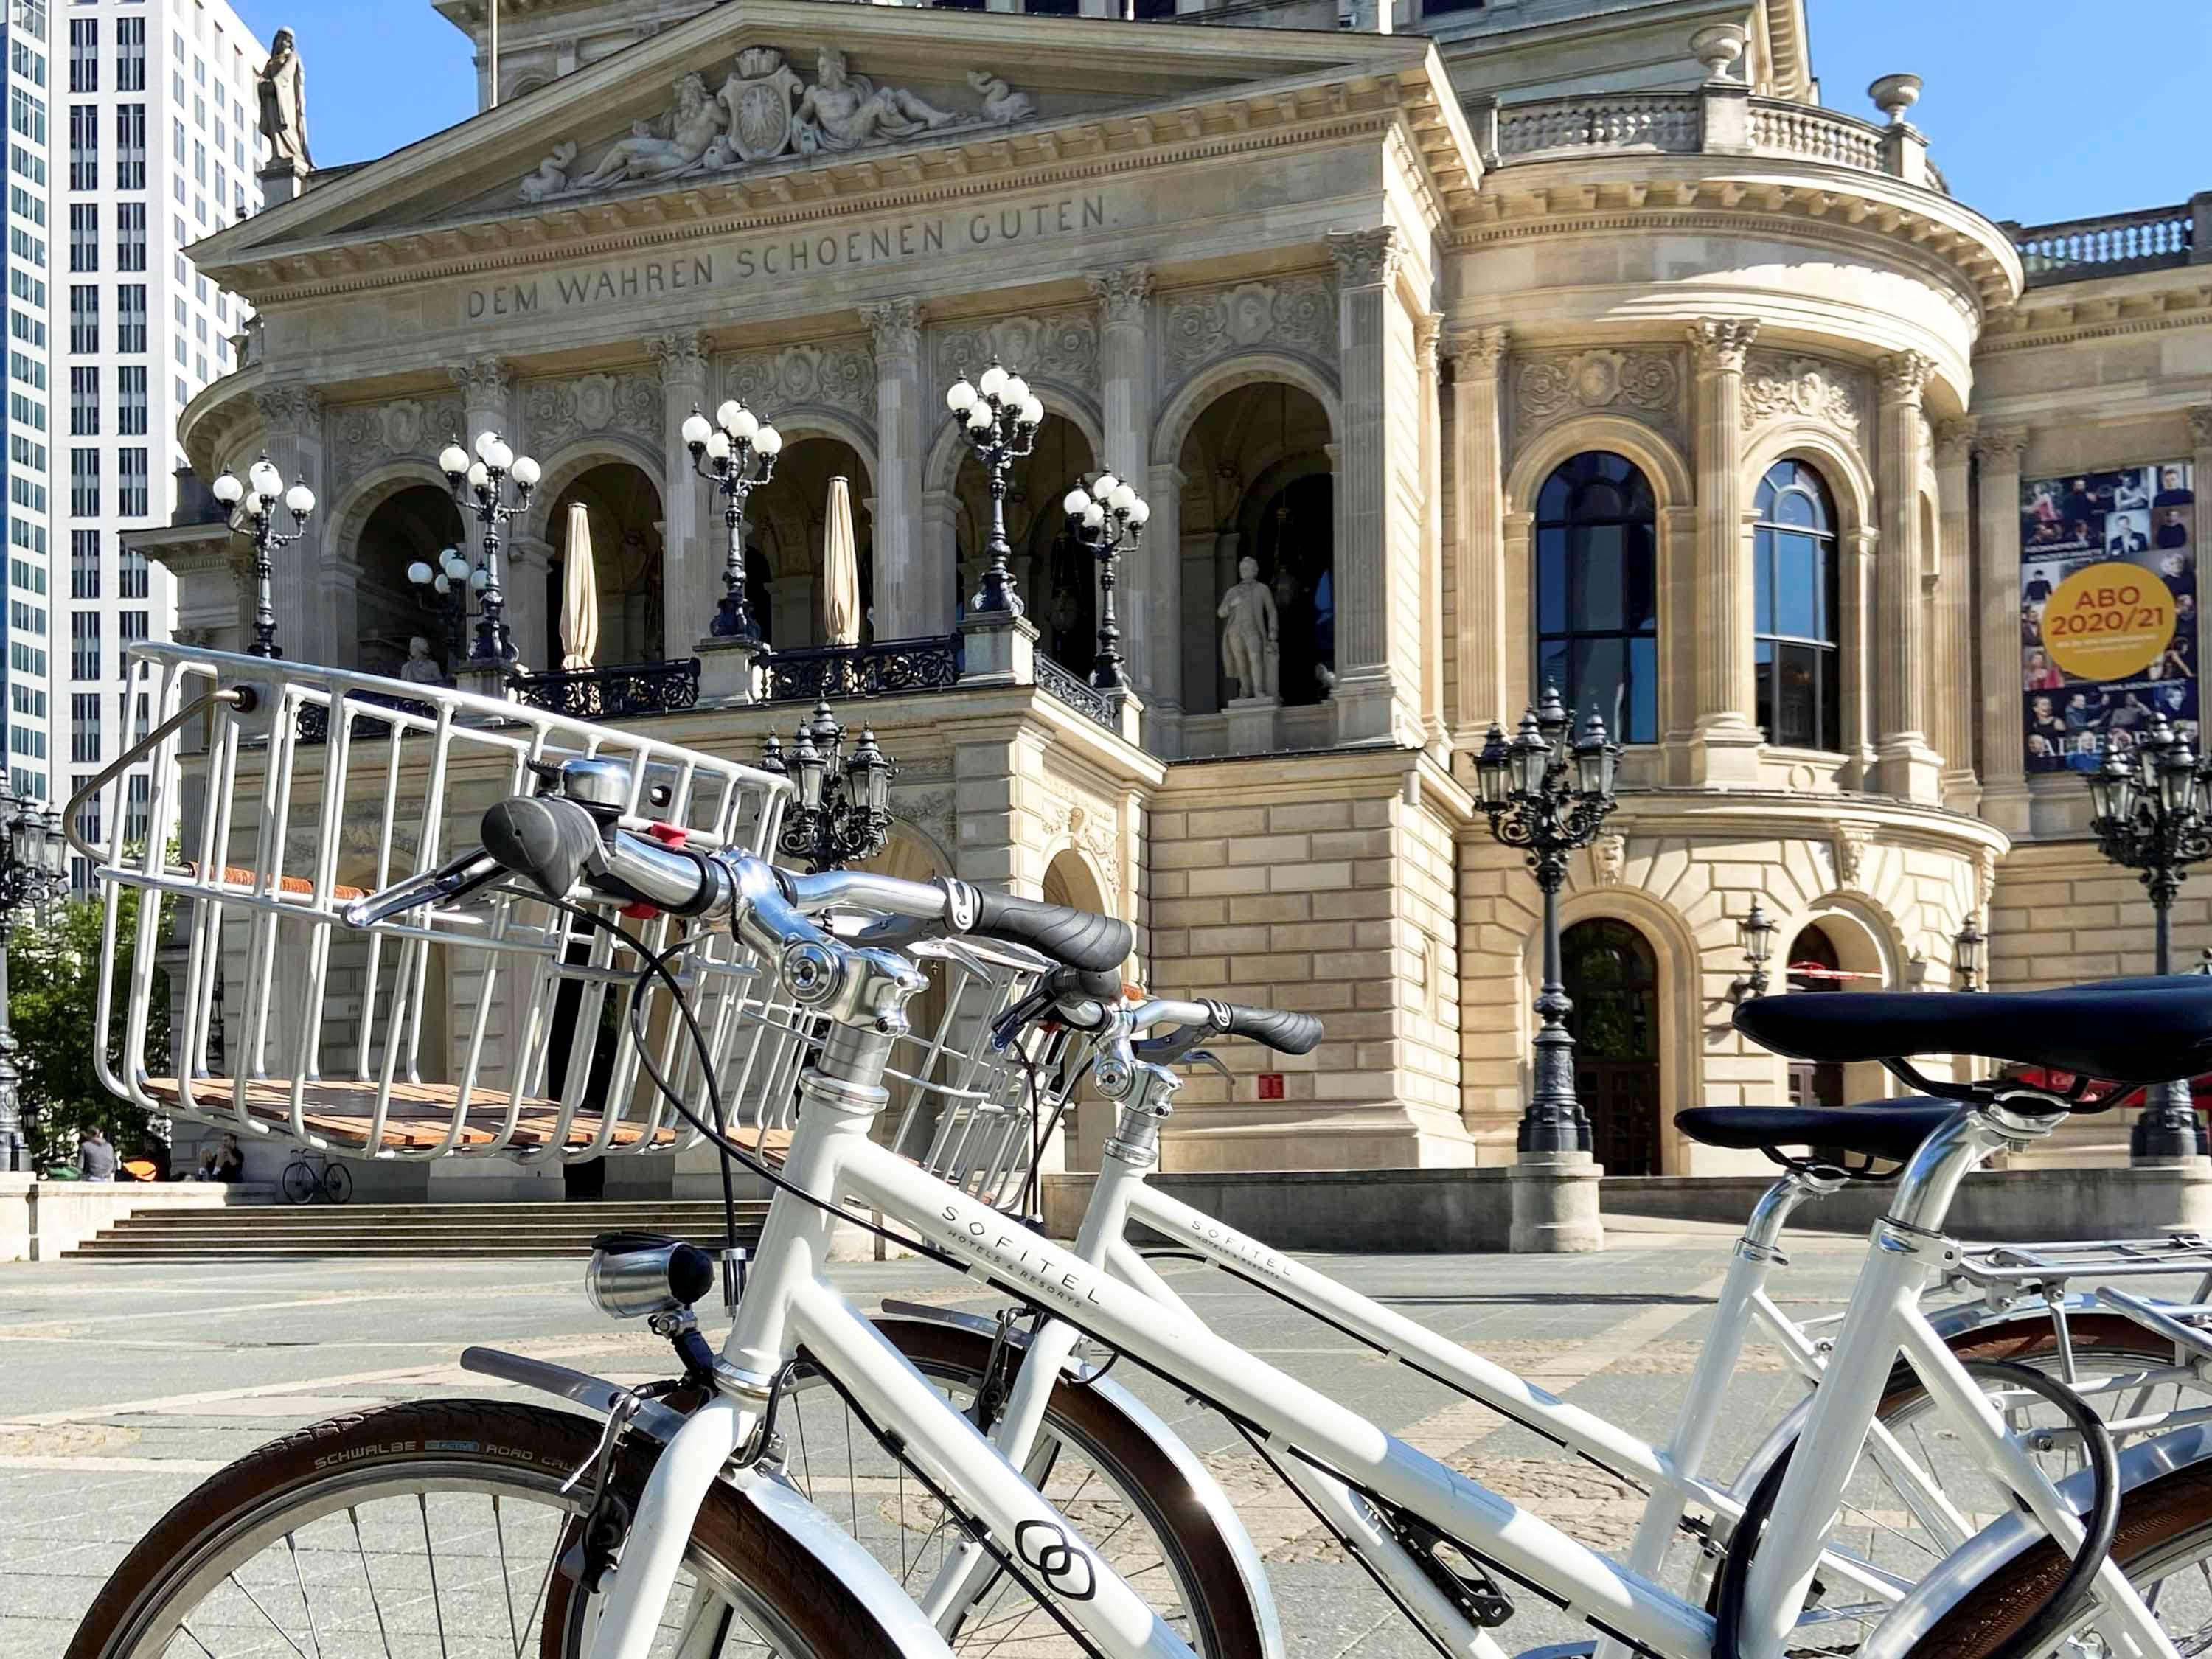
580 592
841 570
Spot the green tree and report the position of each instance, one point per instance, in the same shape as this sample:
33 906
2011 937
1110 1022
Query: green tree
53 986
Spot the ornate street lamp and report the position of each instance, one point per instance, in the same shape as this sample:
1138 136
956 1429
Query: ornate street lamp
999 418
2147 815
33 871
1105 516
735 453
842 809
1755 934
480 488
443 589
1546 799
253 506
1967 948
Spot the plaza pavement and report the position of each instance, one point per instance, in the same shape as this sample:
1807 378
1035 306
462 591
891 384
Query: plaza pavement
121 1386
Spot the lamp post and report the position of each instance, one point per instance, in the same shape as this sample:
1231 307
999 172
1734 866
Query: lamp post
253 505
1105 516
2148 816
735 453
480 488
1755 933
1546 797
34 869
1967 948
999 417
443 589
842 812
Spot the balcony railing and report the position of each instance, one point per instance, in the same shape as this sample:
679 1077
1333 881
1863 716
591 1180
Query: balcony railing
614 693
2151 238
887 668
1085 699
1662 122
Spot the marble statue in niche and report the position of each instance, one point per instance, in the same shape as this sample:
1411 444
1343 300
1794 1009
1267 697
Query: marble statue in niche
1250 648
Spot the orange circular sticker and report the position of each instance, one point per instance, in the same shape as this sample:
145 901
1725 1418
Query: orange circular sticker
2108 621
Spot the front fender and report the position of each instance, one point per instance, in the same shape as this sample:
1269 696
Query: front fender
774 1499
1220 1511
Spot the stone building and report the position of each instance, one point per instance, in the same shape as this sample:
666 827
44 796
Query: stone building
1532 346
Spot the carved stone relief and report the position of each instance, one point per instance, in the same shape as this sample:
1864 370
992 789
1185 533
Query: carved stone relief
1853 842
366 436
1778 385
1297 314
1062 346
1097 832
555 413
841 374
1646 385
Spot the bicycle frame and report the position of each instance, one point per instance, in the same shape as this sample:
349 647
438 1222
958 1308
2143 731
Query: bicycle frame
1357 1474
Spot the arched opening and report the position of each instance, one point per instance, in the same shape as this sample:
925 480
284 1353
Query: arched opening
1613 979
621 505
1068 880
1259 484
1795 611
1812 964
1597 592
412 526
1057 580
786 521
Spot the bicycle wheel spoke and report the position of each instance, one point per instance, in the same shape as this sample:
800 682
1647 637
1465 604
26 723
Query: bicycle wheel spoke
186 1630
231 1580
314 1636
430 1556
506 1578
544 1583
375 1606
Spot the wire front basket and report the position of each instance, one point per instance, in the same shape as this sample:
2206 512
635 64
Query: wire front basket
498 1026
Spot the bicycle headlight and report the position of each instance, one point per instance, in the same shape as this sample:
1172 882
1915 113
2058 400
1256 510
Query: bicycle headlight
633 1275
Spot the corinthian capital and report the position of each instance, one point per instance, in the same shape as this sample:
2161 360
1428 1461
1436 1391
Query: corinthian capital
1366 259
896 325
1905 376
2200 426
1121 292
1953 438
1428 330
2001 446
1476 351
484 379
1718 344
682 356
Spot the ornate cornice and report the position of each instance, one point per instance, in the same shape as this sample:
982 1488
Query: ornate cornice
2200 426
896 325
1903 375
1718 344
2000 447
1366 259
682 356
1477 350
1121 292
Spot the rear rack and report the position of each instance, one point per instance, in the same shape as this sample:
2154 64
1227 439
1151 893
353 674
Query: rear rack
1991 1265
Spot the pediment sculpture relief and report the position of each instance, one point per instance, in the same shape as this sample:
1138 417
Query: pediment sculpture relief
766 110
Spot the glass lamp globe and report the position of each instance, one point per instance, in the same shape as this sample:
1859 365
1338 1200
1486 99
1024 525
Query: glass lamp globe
1140 511
1015 391
1093 516
228 490
525 471
1076 504
265 478
479 475
300 500
454 460
1124 498
486 442
993 382
1103 486
500 459
480 579
421 574
695 430
747 424
960 397
1032 413
441 586
454 564
979 417
726 416
718 444
769 441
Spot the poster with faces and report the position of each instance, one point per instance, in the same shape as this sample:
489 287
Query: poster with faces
2108 612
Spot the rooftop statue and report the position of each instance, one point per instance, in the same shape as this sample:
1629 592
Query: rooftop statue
284 105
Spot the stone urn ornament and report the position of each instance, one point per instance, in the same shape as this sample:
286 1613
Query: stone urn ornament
1893 95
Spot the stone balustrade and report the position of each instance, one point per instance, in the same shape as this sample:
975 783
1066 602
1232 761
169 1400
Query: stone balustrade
1663 123
2114 244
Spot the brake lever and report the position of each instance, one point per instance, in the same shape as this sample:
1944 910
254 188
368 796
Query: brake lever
457 878
1210 1060
1174 1049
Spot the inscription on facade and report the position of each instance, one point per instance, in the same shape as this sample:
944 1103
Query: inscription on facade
779 258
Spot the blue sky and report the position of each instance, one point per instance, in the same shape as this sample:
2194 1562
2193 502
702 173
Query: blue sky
2037 110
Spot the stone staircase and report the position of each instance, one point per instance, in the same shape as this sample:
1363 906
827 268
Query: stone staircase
277 1232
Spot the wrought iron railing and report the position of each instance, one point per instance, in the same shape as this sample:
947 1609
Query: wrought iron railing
619 693
314 718
2151 238
1085 699
887 668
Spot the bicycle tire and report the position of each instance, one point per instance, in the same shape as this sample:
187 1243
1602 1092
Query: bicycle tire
299 1183
512 1447
337 1184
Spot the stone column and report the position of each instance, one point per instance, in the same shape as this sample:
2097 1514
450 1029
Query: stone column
311 583
532 620
1367 691
2200 433
1724 740
1150 596
2004 772
911 597
1427 328
1480 627
1905 765
692 546
1860 653
1951 695
1163 567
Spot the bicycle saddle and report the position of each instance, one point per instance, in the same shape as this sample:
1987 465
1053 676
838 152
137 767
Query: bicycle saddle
1891 1130
2130 1030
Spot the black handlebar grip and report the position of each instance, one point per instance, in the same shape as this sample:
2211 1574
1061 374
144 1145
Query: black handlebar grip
547 840
1100 984
1074 937
1279 1029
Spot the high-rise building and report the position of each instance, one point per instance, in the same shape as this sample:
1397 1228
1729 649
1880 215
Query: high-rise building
30 618
155 100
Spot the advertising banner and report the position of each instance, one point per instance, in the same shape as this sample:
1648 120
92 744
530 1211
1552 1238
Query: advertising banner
2108 610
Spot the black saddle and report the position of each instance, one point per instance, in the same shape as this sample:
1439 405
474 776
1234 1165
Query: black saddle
2124 1030
1891 1130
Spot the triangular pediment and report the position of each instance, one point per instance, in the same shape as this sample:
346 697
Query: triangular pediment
763 100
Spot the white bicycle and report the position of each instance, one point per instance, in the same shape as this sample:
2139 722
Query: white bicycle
700 1487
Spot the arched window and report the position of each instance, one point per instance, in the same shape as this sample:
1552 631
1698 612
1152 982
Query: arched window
1800 702
1597 598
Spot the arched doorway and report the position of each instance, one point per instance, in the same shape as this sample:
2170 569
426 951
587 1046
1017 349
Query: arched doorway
1613 979
786 521
1056 579
413 524
1812 964
1260 485
623 506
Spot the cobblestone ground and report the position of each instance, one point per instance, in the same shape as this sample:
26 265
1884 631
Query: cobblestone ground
122 1385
